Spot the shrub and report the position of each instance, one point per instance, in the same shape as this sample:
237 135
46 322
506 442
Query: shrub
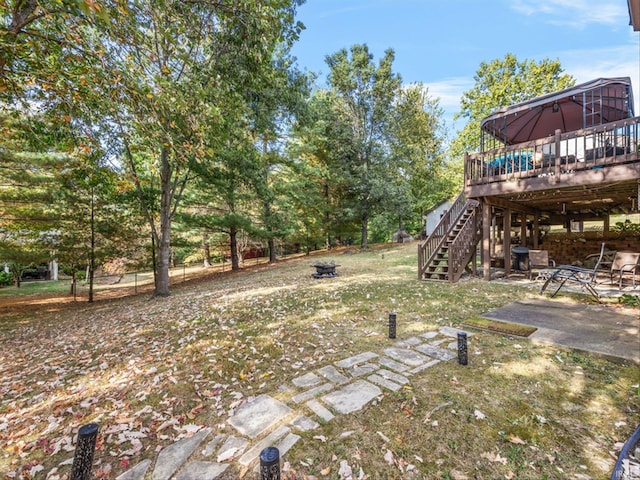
6 278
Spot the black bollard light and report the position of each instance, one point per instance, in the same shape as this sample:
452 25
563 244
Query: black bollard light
392 325
83 456
462 348
270 464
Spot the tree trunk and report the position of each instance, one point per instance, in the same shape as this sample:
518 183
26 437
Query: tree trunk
206 251
164 254
233 243
92 253
164 242
365 232
327 217
272 250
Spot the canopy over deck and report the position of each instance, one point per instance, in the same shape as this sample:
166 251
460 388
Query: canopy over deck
593 103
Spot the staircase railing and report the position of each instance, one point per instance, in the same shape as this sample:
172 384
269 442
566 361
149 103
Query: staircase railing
463 247
429 248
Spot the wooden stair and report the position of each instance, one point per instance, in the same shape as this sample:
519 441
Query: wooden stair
444 256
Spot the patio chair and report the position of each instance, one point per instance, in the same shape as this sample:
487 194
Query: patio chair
585 277
625 263
539 260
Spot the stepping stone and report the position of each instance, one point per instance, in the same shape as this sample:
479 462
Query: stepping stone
429 335
305 424
316 407
232 448
304 396
408 342
383 382
333 375
394 377
356 359
425 366
436 352
136 473
453 332
393 365
453 346
252 454
352 397
259 415
408 357
171 458
211 446
308 380
438 342
362 370
201 471
285 445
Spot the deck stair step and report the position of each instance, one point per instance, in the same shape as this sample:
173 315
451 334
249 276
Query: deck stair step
452 245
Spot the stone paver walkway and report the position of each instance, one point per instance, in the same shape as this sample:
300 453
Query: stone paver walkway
313 398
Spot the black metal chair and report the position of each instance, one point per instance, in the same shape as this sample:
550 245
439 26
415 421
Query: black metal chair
585 277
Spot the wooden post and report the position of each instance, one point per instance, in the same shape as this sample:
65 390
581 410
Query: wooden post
486 240
556 171
536 230
523 229
506 244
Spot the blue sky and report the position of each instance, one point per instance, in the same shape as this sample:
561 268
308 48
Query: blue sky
441 43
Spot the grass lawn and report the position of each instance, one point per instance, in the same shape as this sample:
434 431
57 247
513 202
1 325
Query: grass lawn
151 371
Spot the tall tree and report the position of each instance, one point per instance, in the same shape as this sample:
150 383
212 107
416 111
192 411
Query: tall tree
366 93
274 107
151 74
178 61
417 146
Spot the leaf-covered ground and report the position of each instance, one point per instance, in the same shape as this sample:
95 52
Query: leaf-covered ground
150 372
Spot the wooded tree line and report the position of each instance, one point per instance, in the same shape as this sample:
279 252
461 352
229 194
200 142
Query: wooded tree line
139 129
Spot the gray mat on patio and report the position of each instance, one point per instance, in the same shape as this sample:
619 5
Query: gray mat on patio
592 328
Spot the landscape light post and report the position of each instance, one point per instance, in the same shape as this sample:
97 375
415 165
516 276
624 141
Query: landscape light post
392 325
83 456
270 464
462 348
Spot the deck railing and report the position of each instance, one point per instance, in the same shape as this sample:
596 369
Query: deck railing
428 249
590 148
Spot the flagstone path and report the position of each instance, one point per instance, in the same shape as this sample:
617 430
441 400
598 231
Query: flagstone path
316 396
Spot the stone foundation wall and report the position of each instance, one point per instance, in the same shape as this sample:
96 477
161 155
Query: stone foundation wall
573 248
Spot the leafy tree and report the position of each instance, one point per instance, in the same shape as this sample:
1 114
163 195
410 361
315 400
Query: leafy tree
179 62
416 141
26 186
148 75
273 108
319 144
366 93
500 83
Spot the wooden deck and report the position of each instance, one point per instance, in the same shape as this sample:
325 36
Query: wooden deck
587 173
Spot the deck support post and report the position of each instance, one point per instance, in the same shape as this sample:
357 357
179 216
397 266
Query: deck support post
556 172
536 230
506 242
486 240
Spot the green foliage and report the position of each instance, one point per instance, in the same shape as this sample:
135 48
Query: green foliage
6 278
629 300
626 226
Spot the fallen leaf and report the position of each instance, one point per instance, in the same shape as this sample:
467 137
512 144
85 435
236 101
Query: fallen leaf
515 439
494 457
